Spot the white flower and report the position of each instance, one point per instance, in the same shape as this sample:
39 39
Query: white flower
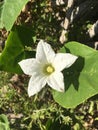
46 68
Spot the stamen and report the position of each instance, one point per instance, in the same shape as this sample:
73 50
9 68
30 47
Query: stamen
48 69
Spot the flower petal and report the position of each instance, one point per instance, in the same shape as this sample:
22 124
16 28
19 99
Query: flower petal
56 82
29 66
44 52
36 83
62 61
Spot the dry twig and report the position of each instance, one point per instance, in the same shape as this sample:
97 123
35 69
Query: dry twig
77 10
93 30
66 22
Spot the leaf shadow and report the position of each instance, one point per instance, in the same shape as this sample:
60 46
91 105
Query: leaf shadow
71 74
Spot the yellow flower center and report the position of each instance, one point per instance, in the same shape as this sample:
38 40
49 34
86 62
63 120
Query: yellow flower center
48 69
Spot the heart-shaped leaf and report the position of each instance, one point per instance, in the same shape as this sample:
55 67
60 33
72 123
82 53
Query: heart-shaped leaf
81 78
15 49
9 11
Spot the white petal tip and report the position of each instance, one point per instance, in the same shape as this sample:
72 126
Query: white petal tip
62 90
19 63
30 94
76 57
41 41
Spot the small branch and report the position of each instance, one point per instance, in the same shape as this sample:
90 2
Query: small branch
66 22
93 30
93 44
96 45
79 10
84 10
63 37
58 2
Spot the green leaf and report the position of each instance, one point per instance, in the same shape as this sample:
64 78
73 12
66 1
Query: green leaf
81 79
55 125
9 11
15 49
4 124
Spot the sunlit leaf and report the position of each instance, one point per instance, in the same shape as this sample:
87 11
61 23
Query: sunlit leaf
81 78
4 124
9 11
15 49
